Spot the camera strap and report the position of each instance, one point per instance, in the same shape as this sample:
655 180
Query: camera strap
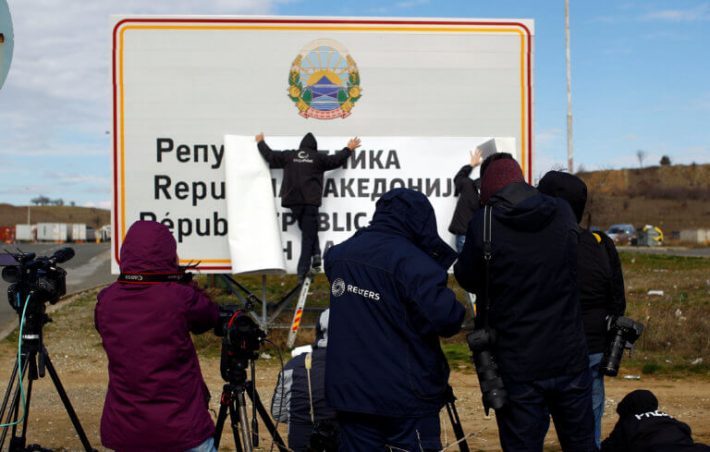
487 255
153 278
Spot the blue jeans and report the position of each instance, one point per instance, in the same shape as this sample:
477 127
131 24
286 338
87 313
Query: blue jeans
207 446
597 395
366 433
524 421
460 240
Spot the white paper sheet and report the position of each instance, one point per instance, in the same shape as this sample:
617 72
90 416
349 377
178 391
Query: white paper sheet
254 236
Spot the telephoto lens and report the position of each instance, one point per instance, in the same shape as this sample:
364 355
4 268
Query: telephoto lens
493 391
623 332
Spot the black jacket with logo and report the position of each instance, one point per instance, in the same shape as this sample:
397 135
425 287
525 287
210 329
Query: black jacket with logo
534 295
654 431
303 170
468 201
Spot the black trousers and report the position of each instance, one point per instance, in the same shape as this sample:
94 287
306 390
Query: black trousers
307 218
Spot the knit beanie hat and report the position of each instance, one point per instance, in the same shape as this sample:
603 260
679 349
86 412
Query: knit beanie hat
568 187
637 402
499 174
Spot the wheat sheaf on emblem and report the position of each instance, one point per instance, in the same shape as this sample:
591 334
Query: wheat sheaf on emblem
324 82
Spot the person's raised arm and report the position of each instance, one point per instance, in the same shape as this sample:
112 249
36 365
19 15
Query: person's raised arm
275 159
329 162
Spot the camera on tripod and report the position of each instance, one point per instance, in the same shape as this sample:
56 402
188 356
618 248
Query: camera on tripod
241 339
480 342
39 277
623 332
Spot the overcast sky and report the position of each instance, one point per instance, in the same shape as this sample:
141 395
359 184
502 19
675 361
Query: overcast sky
640 71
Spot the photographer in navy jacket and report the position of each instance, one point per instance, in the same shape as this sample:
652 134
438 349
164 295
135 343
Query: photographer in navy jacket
534 308
386 374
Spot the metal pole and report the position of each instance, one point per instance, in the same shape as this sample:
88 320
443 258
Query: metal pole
264 307
570 144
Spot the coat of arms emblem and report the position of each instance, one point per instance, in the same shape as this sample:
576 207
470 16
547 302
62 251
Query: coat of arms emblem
324 82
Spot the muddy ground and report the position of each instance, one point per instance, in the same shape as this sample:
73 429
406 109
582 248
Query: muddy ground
76 352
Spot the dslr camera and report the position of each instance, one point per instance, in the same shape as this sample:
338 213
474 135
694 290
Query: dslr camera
480 342
325 437
241 339
622 333
39 278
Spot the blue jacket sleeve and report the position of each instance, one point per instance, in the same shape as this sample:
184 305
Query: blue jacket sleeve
276 159
436 309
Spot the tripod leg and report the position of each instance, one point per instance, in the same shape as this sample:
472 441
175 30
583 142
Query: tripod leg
8 391
244 422
456 425
266 419
221 417
234 418
18 442
65 400
13 412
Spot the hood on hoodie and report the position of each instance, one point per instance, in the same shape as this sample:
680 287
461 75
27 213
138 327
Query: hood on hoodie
523 208
410 214
637 402
308 142
568 187
149 247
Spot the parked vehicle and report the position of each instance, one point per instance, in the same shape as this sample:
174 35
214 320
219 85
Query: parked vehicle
622 234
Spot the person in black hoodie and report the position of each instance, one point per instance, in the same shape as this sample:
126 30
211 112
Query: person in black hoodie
302 188
534 308
601 281
643 428
467 191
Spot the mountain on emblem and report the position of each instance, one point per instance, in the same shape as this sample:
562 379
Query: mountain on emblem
324 82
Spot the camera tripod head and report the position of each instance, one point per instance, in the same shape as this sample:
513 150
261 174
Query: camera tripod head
241 340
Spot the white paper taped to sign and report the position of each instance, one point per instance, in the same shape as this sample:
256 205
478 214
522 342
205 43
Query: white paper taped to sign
254 237
426 164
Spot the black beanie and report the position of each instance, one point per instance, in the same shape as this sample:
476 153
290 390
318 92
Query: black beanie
637 402
568 187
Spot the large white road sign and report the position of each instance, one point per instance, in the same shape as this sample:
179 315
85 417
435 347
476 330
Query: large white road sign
422 93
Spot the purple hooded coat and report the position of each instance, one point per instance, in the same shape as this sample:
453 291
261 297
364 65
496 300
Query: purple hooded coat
156 399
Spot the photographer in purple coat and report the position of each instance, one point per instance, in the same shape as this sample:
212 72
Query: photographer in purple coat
156 398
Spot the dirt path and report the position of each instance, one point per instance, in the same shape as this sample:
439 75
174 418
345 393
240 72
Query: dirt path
76 352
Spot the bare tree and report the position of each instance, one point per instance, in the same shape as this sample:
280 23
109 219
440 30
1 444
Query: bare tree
641 155
40 200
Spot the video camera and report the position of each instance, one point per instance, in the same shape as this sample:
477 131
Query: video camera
480 342
241 340
40 278
623 332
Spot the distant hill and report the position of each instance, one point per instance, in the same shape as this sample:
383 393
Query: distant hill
673 197
11 215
